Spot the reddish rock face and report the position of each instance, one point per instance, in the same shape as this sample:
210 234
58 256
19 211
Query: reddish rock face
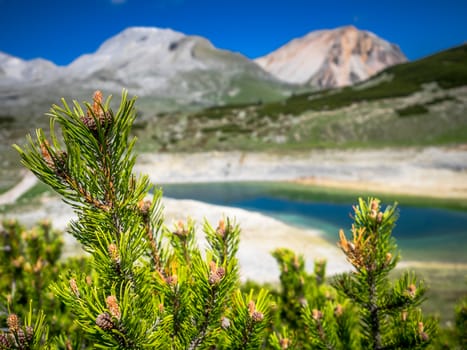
331 58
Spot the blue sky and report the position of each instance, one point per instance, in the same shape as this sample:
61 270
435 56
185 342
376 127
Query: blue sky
61 30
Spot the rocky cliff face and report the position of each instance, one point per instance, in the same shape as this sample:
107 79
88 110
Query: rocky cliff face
332 58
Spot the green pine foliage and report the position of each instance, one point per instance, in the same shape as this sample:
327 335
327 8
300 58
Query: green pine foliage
152 287
30 259
361 309
30 335
389 313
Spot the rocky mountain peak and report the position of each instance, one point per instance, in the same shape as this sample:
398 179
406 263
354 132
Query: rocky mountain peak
332 58
141 37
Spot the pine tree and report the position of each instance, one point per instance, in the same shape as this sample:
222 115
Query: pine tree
153 287
461 323
389 313
29 263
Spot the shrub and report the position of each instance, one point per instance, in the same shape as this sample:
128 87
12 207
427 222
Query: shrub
461 323
310 312
411 110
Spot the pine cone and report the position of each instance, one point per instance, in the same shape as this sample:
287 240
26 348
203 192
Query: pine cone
220 272
104 321
338 310
316 314
74 287
29 333
105 119
284 343
22 338
214 278
221 228
144 207
216 274
89 122
13 323
257 316
96 114
113 307
4 341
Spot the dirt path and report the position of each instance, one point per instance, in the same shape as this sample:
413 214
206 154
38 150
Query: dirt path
28 181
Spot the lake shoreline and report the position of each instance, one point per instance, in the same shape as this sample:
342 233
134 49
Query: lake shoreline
438 173
431 172
428 191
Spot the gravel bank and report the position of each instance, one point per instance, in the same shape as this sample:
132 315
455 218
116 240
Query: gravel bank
437 172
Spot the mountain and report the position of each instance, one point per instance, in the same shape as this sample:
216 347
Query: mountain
332 58
163 62
167 69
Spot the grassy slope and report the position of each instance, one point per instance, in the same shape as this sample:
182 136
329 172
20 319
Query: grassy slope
416 103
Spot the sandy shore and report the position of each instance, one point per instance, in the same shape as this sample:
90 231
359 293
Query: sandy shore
437 172
260 234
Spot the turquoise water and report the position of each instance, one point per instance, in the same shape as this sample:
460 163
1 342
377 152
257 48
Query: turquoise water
431 234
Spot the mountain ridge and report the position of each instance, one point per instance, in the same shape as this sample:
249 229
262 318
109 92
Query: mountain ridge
144 56
170 68
417 103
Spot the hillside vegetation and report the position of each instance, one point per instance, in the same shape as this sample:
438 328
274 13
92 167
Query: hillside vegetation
417 103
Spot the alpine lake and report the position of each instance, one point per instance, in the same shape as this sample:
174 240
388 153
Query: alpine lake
430 232
423 232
